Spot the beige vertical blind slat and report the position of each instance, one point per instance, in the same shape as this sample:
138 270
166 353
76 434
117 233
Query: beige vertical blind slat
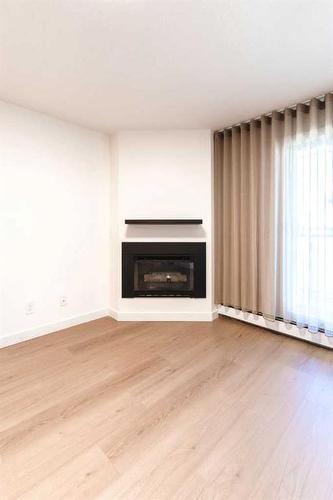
235 218
218 202
253 211
226 218
244 207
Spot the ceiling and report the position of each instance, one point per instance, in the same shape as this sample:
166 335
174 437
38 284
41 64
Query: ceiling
140 64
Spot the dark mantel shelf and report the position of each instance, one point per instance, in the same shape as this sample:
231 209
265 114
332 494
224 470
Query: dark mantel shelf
163 221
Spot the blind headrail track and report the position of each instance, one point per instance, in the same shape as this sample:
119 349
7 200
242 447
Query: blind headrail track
292 106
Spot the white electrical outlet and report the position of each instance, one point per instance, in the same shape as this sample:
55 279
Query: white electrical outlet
29 308
63 301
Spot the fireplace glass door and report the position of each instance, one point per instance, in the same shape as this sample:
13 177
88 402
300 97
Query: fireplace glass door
163 275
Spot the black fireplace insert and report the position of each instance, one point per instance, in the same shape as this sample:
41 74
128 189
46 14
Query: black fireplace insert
163 270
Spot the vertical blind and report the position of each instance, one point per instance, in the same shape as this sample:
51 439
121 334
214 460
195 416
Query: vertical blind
274 215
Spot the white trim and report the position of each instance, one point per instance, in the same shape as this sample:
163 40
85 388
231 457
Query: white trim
278 326
15 338
113 313
163 316
24 335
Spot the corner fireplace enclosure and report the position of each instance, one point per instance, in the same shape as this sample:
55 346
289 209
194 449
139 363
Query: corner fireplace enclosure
164 270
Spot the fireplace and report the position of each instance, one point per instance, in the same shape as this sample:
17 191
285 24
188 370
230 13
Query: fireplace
164 270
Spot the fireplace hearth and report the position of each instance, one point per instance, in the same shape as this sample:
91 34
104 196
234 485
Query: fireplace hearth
163 270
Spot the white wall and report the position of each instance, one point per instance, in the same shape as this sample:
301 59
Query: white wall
63 201
161 174
54 203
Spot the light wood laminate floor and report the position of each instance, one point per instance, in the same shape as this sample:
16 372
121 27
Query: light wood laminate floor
173 410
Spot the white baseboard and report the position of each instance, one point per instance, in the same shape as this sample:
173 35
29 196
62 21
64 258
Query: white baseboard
50 328
278 326
163 316
24 335
113 313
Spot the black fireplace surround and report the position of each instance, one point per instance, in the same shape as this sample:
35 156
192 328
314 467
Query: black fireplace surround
163 270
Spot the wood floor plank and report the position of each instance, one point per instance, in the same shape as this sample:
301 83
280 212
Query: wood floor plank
165 410
86 476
